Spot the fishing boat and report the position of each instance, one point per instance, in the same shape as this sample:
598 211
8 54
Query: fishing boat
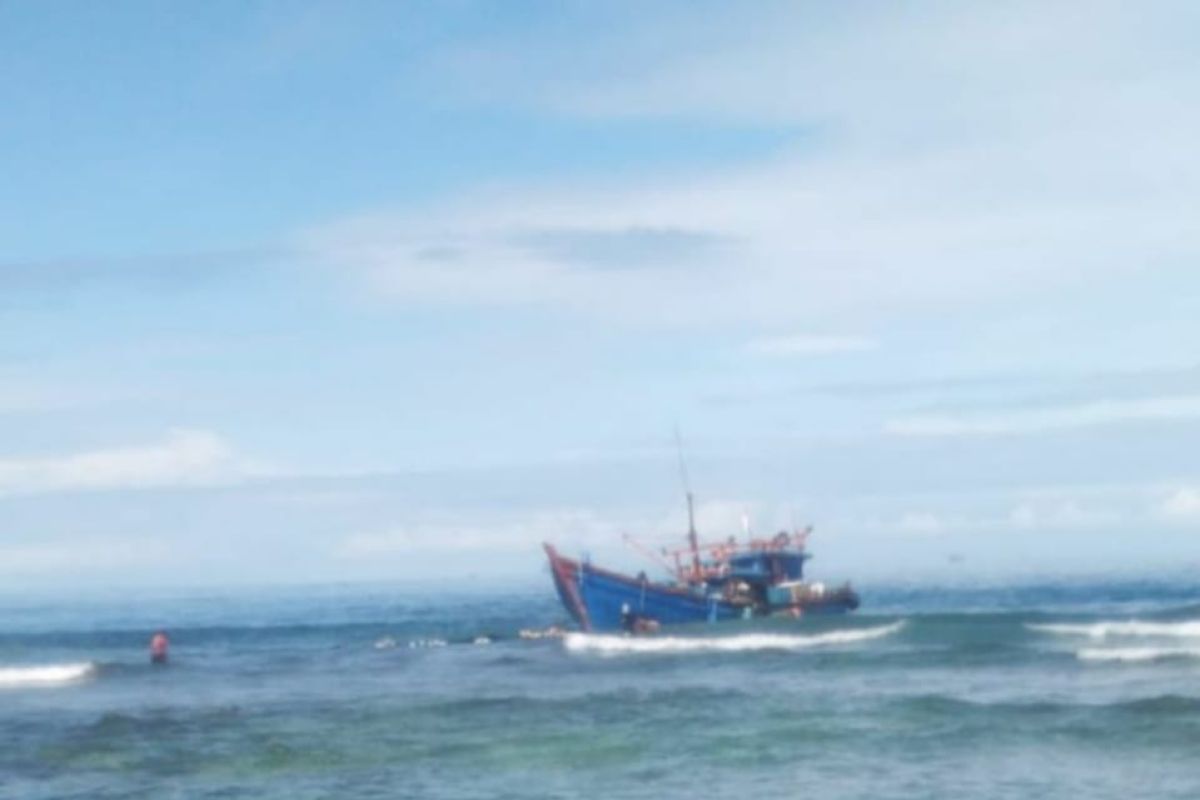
707 583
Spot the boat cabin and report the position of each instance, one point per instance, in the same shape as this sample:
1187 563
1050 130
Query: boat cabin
767 567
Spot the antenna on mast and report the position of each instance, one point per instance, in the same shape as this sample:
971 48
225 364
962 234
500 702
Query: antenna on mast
693 542
683 473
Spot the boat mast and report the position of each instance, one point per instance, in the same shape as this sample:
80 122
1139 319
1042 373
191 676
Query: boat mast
693 541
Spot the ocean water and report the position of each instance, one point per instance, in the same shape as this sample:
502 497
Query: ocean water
1057 691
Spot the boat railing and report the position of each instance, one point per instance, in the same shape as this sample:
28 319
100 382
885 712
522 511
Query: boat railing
731 548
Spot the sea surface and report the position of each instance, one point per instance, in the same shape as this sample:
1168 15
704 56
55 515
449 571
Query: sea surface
1056 691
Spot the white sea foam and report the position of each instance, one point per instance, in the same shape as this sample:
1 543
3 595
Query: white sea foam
1189 629
420 644
45 674
1137 654
612 644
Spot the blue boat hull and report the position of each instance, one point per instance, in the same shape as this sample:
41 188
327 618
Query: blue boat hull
594 598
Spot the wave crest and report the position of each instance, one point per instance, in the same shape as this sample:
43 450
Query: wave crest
1137 654
1187 630
1129 628
45 674
748 642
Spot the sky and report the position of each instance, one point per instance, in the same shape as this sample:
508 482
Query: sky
320 292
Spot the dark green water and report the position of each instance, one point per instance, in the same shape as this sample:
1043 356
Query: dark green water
1086 691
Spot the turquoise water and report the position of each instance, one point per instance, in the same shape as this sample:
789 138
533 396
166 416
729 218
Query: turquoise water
1051 691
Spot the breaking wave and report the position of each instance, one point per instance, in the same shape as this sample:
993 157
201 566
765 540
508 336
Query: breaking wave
608 643
1137 654
45 675
1129 628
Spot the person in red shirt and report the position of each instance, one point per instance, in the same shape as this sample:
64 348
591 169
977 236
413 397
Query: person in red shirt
158 648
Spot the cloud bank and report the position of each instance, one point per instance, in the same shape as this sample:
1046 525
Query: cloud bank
181 458
1041 420
1025 169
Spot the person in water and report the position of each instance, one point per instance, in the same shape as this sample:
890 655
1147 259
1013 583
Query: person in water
628 620
159 644
633 623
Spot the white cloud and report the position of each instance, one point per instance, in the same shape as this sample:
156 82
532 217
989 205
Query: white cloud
183 457
849 233
1182 505
810 345
958 159
846 236
1041 420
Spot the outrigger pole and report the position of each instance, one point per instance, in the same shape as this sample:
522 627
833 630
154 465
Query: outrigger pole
650 554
